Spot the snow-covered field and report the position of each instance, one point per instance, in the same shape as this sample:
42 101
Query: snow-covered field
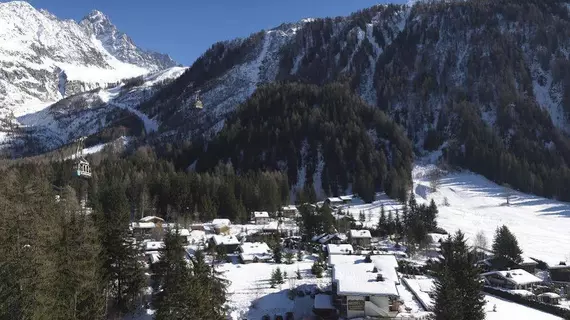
504 309
476 204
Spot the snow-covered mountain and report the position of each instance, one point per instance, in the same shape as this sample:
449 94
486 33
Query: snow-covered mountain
121 46
89 113
43 58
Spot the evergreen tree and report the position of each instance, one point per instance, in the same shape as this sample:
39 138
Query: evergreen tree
390 223
398 228
506 244
277 253
458 287
299 255
382 224
289 256
179 295
362 217
120 266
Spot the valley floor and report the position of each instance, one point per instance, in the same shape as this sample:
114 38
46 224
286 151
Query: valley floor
476 204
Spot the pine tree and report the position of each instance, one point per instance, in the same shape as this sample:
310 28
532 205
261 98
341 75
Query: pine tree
398 228
120 267
362 217
506 244
458 287
299 255
179 294
382 225
277 253
289 256
390 223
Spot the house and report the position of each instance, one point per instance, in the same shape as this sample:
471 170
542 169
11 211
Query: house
143 230
334 202
366 289
528 264
255 252
221 226
153 219
346 199
290 211
497 263
261 217
339 249
560 273
549 297
335 238
230 242
360 238
511 279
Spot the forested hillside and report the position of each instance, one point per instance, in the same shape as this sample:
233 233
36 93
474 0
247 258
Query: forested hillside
324 138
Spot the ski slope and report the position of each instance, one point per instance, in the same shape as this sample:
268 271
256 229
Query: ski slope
542 226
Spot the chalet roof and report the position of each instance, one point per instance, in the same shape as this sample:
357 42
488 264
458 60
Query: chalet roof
551 295
360 234
345 198
329 237
221 222
334 199
560 266
151 218
143 225
251 250
359 278
154 245
289 207
339 248
225 240
517 276
260 214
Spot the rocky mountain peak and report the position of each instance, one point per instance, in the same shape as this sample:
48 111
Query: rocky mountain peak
122 46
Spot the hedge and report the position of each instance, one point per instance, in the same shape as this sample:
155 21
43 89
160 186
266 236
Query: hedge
548 308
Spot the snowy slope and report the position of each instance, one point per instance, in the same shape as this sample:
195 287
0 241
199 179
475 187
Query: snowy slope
477 204
88 113
43 58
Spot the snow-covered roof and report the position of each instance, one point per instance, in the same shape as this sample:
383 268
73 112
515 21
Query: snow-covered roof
260 214
517 276
360 234
520 292
154 245
526 260
154 256
251 250
345 198
271 226
551 295
289 208
151 218
358 279
560 266
329 237
143 225
221 222
334 199
225 240
323 302
339 248
184 232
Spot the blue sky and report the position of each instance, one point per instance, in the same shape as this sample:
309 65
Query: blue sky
186 28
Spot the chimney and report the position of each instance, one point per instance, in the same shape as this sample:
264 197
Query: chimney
380 277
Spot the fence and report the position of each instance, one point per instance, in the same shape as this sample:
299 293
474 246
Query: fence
554 310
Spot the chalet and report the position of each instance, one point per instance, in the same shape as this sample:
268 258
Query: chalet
255 252
511 279
261 217
230 242
334 202
360 238
153 219
290 211
528 264
335 238
497 263
339 249
143 230
366 289
560 273
346 199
